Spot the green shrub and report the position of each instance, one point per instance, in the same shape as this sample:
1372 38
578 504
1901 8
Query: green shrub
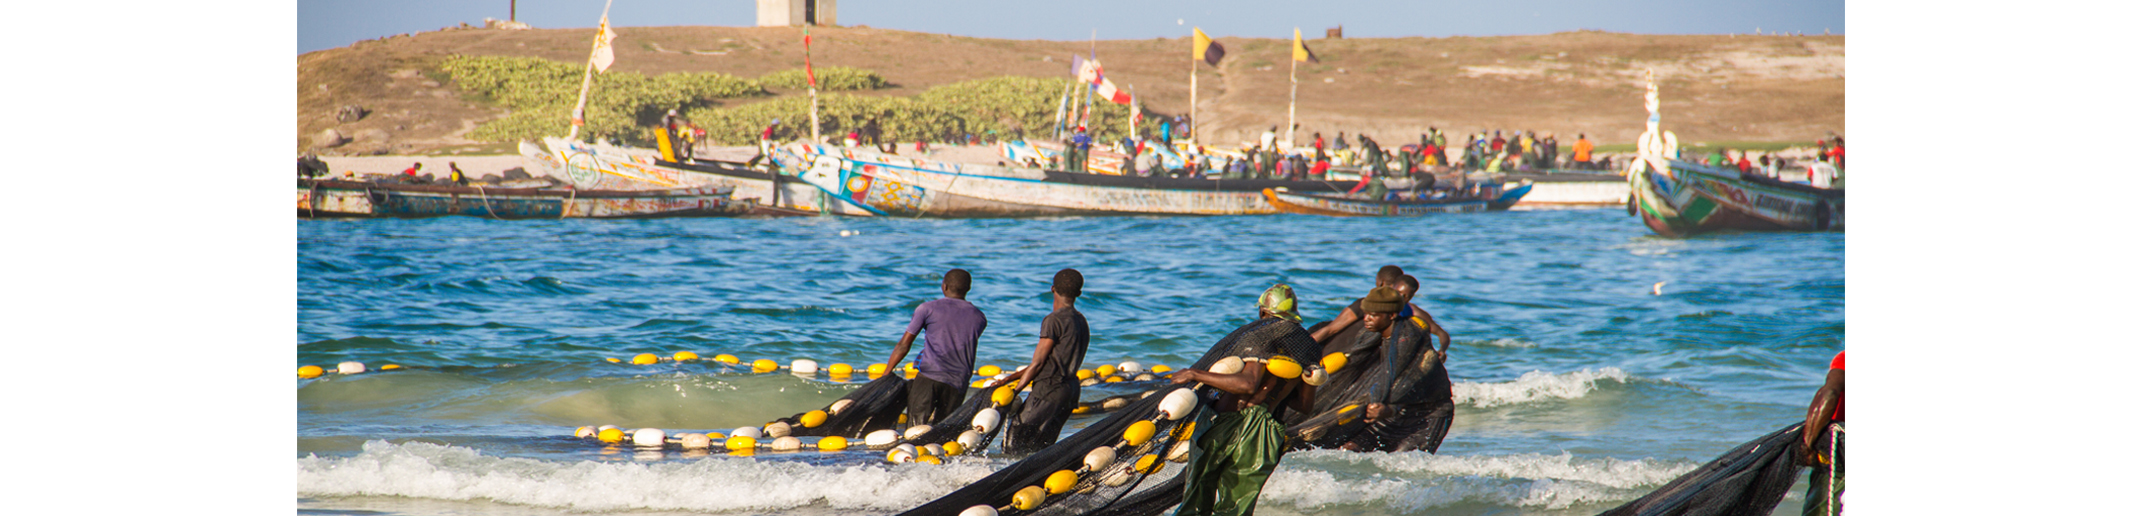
622 105
833 78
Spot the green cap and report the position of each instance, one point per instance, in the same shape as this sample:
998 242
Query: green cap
1279 301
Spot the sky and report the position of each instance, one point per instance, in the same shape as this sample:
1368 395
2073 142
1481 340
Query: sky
323 24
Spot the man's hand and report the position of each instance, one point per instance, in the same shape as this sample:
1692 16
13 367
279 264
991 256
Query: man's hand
1183 376
1375 410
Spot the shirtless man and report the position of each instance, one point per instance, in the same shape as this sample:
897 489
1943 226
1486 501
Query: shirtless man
1233 457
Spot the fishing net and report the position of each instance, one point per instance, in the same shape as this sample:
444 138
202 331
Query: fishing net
1418 407
1098 469
1749 479
951 427
876 406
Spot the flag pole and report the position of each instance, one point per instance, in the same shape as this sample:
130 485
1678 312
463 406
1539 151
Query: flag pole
1194 87
813 96
576 119
1292 85
1090 87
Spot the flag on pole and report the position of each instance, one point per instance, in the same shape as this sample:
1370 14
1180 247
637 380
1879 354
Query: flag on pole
1205 49
1301 51
809 56
1090 71
603 46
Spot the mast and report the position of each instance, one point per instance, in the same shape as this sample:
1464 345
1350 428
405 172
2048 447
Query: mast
576 119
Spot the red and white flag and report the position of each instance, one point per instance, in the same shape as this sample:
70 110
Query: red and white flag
1090 71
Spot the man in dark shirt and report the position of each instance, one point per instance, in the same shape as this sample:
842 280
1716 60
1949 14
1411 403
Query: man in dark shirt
1054 391
951 327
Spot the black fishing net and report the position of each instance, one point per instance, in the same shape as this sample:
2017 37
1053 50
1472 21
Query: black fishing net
1749 479
1418 407
1150 464
876 406
951 427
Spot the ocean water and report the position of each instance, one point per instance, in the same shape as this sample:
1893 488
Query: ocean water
1578 388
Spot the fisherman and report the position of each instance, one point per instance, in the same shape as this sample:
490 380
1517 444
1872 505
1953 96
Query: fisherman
1319 145
1820 445
1053 390
1233 457
1394 277
1582 152
1396 417
1080 145
767 144
1268 139
411 171
457 177
1548 152
951 327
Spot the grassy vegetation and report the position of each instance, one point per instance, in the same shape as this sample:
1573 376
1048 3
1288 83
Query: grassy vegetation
540 94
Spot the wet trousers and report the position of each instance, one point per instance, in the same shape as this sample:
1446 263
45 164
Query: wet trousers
1230 462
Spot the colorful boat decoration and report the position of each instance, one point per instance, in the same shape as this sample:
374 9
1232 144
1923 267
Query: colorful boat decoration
597 165
1490 198
898 186
1679 198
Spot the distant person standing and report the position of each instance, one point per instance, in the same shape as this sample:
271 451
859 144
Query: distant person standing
1081 145
1268 139
951 327
767 144
457 177
1053 390
1820 444
1582 152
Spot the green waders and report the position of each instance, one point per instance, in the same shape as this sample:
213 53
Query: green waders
1230 462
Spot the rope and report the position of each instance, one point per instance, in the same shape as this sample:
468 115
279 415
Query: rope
922 208
1833 466
568 203
484 202
313 205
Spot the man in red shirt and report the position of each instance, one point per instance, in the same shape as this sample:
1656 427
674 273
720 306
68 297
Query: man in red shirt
1821 444
1838 154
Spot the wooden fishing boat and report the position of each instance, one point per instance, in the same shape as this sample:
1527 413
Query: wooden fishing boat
602 165
324 198
1678 198
1490 198
891 185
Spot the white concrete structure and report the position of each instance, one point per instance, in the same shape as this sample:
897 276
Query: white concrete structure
793 13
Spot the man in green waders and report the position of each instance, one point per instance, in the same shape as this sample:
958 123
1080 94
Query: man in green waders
1231 460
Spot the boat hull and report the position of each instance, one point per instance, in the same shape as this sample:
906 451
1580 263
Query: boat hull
332 198
1682 199
1337 206
902 187
610 163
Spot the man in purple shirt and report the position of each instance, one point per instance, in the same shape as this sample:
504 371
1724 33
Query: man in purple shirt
951 326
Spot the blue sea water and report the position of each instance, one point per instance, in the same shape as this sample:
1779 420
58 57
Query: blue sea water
1578 387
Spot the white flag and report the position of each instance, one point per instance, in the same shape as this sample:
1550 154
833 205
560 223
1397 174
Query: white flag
603 46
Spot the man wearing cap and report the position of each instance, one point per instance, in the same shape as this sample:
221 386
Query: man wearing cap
951 327
1077 149
1410 406
1386 276
1053 389
1233 457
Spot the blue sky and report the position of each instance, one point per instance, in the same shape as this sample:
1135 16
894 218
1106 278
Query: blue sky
323 24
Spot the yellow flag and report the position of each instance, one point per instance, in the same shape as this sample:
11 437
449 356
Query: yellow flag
603 46
1301 51
1199 42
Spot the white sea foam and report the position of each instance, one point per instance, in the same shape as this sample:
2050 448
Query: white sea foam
1511 342
1535 386
422 470
1412 482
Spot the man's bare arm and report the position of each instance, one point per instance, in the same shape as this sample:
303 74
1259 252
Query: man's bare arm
901 348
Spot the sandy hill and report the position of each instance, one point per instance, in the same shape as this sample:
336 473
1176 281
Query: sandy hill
1716 88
